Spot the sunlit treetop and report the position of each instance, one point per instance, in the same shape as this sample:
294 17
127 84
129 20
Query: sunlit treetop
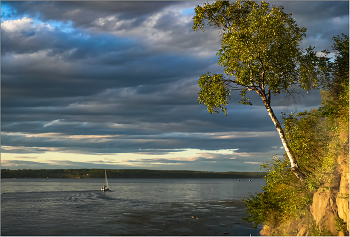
259 52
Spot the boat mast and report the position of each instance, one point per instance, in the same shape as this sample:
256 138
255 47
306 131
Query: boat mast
106 178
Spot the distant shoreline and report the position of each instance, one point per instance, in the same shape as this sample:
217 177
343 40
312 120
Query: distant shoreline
125 173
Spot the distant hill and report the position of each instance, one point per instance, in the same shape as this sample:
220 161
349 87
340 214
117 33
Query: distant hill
125 173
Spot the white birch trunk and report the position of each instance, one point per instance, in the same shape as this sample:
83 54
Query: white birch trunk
293 161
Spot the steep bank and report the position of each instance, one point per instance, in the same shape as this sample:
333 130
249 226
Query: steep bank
320 141
330 207
342 200
329 212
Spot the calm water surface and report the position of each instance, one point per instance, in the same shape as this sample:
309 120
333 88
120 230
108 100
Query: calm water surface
132 207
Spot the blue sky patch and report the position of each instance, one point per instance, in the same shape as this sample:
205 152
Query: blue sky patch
7 13
187 11
65 27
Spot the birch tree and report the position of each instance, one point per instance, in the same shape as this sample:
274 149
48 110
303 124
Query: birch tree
259 53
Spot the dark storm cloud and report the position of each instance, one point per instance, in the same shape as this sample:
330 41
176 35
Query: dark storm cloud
65 62
314 10
63 164
128 71
72 47
137 143
178 34
323 20
83 14
124 120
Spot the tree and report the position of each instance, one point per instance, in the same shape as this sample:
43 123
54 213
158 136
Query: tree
336 96
320 140
259 52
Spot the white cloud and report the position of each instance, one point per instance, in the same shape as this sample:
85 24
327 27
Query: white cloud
52 122
40 61
17 25
253 162
24 23
343 20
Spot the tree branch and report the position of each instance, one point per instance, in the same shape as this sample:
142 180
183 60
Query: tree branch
249 88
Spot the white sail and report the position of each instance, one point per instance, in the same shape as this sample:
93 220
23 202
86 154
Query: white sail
106 178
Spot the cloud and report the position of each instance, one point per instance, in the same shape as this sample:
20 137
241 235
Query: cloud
17 25
56 164
252 162
26 157
83 14
52 122
121 78
323 20
25 149
148 143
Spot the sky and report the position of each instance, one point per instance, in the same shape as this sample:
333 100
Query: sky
114 85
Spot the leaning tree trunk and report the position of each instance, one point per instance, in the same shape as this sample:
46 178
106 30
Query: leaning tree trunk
293 161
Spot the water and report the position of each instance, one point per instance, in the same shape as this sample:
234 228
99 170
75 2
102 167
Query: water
158 207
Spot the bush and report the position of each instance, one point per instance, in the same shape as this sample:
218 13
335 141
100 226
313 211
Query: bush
316 138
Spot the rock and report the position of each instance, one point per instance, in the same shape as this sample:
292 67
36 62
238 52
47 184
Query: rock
266 231
324 210
302 232
343 199
343 195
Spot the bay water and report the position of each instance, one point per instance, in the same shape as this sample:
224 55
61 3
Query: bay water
152 207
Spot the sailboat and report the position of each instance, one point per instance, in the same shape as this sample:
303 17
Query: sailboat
105 187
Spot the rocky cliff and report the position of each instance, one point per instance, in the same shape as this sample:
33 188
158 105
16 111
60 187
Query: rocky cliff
330 206
342 200
329 212
320 140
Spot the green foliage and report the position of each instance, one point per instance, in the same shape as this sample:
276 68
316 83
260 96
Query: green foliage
335 97
283 197
317 138
341 62
315 144
340 225
316 148
303 132
214 92
244 100
259 50
315 230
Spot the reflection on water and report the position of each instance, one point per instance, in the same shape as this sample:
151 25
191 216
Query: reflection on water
132 207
